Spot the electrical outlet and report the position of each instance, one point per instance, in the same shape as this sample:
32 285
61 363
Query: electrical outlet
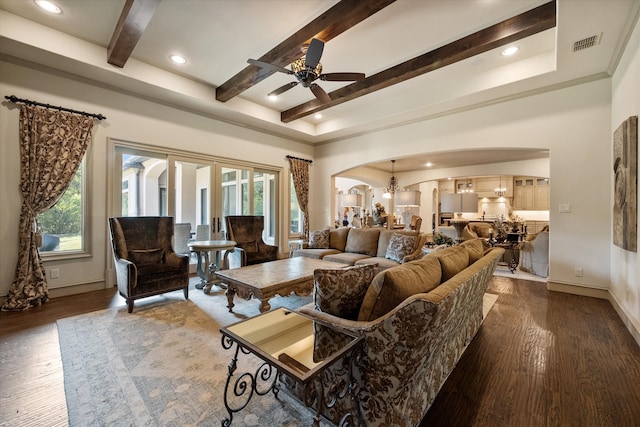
564 208
55 273
578 272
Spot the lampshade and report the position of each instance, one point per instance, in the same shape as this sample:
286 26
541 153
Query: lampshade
459 202
407 198
351 200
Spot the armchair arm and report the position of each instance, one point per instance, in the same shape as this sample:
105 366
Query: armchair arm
126 274
269 249
177 260
240 254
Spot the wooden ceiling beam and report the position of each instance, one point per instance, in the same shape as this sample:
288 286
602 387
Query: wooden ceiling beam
330 24
135 16
524 25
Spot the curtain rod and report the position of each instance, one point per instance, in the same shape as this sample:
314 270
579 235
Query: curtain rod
15 100
298 158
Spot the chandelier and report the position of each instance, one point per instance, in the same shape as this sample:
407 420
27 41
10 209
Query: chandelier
392 186
500 191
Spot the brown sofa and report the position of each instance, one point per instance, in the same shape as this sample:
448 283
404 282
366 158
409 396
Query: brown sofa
416 319
360 246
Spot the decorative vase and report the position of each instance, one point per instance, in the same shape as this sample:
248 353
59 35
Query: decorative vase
379 220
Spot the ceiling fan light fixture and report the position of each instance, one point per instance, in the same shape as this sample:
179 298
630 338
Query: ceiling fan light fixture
272 98
299 66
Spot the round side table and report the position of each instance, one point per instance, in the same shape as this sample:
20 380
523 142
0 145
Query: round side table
207 270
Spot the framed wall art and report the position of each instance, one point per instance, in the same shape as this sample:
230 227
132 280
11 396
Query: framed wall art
625 167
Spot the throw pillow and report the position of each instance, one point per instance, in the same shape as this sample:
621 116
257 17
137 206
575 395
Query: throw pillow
146 256
319 239
392 286
340 291
362 241
453 260
400 246
475 248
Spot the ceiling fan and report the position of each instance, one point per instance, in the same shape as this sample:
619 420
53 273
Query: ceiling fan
307 70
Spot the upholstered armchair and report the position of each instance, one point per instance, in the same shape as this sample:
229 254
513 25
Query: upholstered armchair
246 231
534 254
145 261
416 222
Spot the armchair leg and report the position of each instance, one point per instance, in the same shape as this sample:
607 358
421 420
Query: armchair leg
186 292
130 305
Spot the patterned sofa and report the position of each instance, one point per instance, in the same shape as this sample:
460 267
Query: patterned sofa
416 319
361 246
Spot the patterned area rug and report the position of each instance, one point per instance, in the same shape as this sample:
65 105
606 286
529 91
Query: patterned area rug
503 271
164 365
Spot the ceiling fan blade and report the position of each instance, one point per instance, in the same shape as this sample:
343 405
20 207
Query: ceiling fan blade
268 66
314 52
320 93
282 89
342 77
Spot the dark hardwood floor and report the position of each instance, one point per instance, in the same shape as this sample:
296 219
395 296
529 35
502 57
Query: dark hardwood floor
540 358
543 358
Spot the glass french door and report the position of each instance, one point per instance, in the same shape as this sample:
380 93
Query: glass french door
198 192
191 185
248 191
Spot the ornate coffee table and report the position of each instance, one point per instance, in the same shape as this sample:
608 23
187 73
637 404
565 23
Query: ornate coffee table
300 347
266 280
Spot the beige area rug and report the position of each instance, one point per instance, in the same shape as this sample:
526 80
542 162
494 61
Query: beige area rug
164 365
503 271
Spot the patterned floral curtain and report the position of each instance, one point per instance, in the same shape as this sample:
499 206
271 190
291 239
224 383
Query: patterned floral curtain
300 173
52 145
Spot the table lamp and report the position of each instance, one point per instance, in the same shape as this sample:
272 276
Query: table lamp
407 199
459 203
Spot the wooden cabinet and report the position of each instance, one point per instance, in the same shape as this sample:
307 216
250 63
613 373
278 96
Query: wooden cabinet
530 193
485 186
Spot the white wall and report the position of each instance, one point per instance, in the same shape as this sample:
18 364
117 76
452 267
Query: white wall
573 123
128 118
625 265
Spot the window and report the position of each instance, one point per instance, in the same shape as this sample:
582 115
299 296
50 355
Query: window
296 216
63 225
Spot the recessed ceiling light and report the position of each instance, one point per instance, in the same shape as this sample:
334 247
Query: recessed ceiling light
177 59
273 98
317 116
48 6
510 51
428 164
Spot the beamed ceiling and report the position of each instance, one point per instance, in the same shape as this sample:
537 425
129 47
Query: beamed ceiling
421 58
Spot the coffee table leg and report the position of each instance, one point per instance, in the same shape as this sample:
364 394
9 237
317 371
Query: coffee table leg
264 305
230 293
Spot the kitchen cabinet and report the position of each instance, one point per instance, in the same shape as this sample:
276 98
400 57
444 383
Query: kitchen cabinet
530 193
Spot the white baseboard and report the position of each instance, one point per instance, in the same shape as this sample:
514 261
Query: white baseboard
578 290
628 321
76 289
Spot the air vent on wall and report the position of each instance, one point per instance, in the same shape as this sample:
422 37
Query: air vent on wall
586 43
